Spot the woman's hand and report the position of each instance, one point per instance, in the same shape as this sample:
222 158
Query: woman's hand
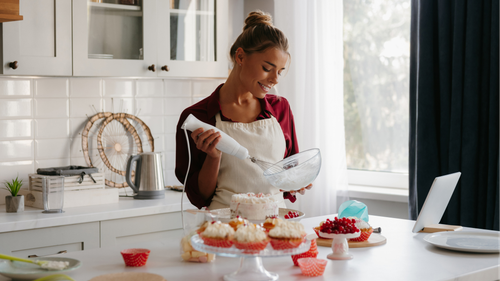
301 191
206 141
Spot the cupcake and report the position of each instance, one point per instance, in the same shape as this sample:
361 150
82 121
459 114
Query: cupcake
218 235
237 221
364 227
270 223
203 227
287 235
250 238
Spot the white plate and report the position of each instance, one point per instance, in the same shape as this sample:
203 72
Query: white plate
467 241
225 215
29 271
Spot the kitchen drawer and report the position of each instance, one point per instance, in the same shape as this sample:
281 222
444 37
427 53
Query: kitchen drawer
138 229
50 240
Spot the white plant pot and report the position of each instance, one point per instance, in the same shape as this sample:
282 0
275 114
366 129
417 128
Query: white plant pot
14 204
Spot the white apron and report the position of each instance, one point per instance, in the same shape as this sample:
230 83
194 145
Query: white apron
265 141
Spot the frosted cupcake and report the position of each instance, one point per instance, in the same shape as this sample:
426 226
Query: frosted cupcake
364 227
287 235
237 222
218 235
270 223
250 238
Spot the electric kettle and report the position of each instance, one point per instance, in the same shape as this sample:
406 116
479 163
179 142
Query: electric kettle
148 183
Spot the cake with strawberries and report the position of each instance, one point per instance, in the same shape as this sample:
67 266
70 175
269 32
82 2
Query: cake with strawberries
253 206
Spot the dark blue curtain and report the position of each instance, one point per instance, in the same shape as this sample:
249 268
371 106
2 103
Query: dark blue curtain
454 104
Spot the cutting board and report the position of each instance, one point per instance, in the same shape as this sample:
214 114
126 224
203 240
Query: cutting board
374 240
129 276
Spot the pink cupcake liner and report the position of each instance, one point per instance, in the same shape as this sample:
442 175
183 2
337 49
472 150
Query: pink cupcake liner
312 266
135 257
312 253
214 242
365 234
251 247
286 243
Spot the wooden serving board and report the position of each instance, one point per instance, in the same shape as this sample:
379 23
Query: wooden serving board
374 240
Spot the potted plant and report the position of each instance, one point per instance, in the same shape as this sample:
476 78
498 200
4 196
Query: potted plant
14 203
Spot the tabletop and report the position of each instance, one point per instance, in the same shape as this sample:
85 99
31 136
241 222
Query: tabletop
405 256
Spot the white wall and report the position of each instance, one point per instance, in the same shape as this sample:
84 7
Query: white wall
42 118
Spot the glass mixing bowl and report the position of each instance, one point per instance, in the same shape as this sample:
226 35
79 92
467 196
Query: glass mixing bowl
296 171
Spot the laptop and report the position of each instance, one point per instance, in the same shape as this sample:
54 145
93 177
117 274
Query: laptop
436 202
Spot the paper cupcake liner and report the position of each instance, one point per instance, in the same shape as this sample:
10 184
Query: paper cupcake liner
217 242
286 243
365 234
312 253
251 247
312 266
135 257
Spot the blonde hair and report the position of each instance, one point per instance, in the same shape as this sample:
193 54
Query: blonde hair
258 35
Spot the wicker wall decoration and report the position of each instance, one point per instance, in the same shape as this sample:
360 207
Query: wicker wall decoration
112 140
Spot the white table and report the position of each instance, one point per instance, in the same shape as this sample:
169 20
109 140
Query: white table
405 256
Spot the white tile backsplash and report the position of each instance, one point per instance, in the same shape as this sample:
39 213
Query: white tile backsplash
149 88
42 119
15 87
51 108
120 104
51 149
51 88
83 107
175 106
51 128
16 129
16 150
178 88
150 106
85 87
118 88
49 163
19 108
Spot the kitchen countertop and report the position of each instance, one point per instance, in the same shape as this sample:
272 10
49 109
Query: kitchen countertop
405 256
126 207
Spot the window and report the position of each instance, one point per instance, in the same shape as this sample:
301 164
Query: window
376 90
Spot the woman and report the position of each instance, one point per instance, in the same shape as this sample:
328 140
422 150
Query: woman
242 109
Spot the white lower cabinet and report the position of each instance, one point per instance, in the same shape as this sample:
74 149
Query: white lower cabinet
138 229
50 240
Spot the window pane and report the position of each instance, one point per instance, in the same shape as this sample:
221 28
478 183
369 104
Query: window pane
376 84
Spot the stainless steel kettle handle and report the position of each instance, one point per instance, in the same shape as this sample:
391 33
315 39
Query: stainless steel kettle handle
128 172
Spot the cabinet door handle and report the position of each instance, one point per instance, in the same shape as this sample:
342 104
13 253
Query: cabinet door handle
152 67
13 64
165 68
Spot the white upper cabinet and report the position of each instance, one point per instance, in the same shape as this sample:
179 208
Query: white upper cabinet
40 44
150 38
192 38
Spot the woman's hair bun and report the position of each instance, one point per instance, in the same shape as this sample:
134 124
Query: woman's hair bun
258 17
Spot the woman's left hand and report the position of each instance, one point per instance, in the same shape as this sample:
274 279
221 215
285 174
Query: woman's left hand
301 191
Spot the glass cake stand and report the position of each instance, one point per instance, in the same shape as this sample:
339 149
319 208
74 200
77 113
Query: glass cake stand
251 267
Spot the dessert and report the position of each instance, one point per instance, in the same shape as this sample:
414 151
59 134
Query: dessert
338 226
254 206
270 223
291 215
202 227
218 234
190 254
250 238
287 235
237 222
364 227
312 253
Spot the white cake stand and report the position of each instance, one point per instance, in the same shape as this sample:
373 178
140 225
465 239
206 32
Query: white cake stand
340 247
251 268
